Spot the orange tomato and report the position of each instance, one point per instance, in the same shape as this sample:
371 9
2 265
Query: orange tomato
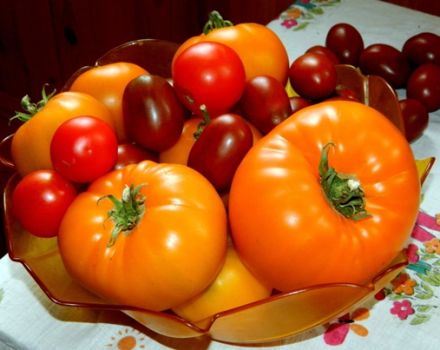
168 250
179 152
107 84
234 286
259 48
30 147
296 222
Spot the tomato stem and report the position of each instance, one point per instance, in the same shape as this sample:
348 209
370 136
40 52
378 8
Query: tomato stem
205 121
216 21
343 191
126 212
31 108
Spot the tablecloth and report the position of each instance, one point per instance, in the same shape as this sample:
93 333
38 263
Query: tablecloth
405 315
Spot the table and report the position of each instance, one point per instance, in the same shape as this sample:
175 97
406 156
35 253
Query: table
405 316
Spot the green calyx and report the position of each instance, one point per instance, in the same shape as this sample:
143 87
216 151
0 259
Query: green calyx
216 21
30 108
344 192
126 212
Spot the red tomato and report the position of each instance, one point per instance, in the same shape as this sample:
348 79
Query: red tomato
313 76
210 74
422 48
387 62
424 85
415 118
323 50
40 200
346 42
265 102
84 148
330 195
129 153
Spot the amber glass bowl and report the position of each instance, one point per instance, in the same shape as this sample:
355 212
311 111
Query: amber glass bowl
276 317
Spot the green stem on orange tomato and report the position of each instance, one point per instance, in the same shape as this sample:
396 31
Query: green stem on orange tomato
215 21
344 192
30 108
205 121
126 212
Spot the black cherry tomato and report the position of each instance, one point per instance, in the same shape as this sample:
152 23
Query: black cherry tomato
220 148
153 115
265 102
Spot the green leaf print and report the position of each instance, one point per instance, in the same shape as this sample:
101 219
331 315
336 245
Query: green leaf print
425 293
419 319
1 294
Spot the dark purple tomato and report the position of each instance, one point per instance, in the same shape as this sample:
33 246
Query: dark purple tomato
298 102
313 76
422 48
153 115
424 85
220 148
265 102
324 51
387 62
346 42
415 118
129 153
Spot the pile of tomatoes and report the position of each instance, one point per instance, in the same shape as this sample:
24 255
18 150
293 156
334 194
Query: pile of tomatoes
203 192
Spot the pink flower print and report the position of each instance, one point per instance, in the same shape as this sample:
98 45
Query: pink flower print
337 332
402 309
411 253
289 23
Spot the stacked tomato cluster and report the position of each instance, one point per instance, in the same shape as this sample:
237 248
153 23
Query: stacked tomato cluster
204 193
415 67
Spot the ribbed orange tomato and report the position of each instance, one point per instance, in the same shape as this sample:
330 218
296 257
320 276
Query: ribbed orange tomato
164 240
330 195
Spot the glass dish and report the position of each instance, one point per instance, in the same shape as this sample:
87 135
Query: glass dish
271 319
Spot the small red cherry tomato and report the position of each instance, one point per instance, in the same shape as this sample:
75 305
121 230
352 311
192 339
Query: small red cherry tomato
210 74
83 149
313 76
40 200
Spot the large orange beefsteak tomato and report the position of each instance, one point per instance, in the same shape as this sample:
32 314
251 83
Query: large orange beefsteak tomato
328 196
149 235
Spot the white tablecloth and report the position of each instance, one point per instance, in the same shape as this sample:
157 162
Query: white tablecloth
407 318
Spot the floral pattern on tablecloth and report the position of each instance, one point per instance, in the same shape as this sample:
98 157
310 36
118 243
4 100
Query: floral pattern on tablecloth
411 295
302 12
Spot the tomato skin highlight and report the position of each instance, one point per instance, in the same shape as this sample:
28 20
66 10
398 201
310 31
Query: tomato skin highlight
172 254
40 200
277 189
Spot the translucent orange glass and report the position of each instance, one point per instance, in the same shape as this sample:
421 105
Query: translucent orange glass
271 319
